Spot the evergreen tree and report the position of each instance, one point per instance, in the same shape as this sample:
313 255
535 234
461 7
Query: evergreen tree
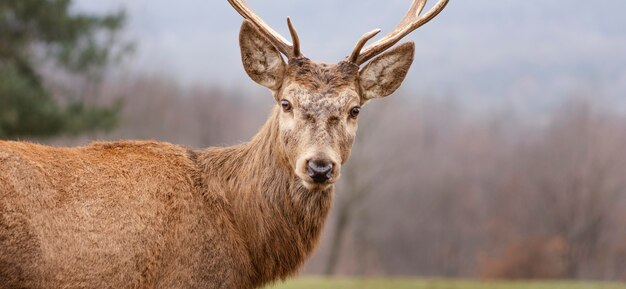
33 32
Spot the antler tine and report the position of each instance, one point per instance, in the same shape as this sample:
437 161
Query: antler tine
282 44
408 24
359 45
294 37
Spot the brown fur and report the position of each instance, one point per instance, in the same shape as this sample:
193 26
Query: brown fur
157 215
153 215
314 76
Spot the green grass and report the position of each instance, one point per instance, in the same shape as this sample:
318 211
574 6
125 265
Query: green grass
321 283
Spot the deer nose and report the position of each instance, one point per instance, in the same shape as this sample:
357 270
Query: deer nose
320 170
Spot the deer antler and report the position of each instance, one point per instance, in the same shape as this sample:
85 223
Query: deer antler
409 23
282 44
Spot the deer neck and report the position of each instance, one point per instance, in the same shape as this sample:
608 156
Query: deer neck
278 218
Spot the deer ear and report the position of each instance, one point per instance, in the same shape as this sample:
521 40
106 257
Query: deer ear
261 59
383 75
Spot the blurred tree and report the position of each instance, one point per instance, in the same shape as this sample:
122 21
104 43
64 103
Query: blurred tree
34 33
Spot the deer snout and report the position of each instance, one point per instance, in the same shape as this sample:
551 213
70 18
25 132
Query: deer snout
320 171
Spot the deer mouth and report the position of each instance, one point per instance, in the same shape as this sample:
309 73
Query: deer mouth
311 185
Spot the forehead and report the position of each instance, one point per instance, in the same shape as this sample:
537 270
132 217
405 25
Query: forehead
316 84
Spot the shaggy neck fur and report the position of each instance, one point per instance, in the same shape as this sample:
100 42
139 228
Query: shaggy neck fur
278 219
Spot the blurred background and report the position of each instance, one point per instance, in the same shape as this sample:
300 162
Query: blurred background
503 156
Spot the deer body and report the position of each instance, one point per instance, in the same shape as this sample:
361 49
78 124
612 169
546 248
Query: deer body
153 215
157 215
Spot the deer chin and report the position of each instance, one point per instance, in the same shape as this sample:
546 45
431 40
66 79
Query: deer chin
317 187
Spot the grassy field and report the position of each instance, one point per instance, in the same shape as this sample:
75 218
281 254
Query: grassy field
320 283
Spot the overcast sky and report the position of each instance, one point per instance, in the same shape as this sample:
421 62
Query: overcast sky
498 51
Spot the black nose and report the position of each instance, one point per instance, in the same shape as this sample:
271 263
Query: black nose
320 170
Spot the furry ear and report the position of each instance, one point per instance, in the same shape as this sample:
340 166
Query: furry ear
260 58
383 75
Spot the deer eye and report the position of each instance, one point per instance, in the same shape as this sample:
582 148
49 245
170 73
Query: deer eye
286 105
354 112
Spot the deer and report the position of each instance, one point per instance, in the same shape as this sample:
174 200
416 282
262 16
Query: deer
148 214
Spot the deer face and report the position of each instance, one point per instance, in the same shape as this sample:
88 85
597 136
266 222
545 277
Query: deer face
318 104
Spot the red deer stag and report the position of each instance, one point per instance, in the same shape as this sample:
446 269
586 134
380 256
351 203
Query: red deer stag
155 215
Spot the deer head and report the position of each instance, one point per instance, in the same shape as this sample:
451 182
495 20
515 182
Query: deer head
318 104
